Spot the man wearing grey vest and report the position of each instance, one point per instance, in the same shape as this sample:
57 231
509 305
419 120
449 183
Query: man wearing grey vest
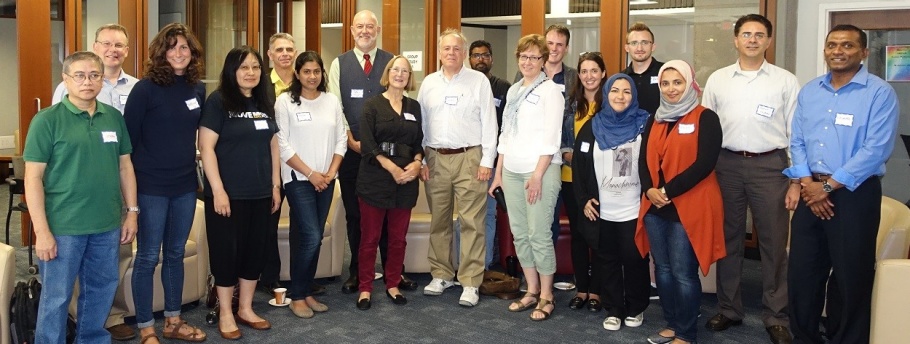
354 78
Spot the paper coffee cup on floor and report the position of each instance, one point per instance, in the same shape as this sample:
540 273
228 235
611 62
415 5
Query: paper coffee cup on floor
279 295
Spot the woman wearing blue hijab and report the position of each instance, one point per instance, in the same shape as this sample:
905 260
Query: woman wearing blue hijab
606 182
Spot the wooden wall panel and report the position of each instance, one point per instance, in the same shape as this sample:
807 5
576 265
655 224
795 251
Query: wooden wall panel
450 15
391 26
614 21
430 61
532 16
348 10
313 25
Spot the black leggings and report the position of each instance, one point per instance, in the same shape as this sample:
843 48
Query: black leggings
237 244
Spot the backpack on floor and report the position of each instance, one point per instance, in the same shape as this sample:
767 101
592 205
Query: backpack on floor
24 311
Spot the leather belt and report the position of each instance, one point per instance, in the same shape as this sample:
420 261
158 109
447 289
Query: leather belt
820 177
751 154
447 151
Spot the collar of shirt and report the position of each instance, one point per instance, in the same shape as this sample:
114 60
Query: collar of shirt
652 68
122 79
99 108
360 54
861 77
280 86
762 69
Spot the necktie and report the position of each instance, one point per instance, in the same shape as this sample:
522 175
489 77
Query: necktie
367 66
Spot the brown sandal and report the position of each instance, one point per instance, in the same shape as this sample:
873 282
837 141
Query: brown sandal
522 306
540 306
145 338
196 336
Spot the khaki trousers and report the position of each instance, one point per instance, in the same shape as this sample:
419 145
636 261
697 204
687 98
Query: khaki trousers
453 183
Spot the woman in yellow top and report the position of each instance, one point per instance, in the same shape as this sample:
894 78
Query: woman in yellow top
587 99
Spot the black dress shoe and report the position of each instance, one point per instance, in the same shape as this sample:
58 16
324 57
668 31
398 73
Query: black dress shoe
397 299
350 285
407 284
779 334
594 305
719 322
577 302
363 304
316 289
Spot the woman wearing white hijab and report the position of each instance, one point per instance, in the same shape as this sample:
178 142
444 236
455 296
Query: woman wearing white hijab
681 208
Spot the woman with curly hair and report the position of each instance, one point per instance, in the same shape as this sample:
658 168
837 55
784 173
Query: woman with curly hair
162 116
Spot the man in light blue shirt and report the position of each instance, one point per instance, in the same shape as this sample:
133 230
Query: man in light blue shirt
843 131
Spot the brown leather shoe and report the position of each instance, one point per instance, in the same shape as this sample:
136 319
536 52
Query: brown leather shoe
121 332
720 322
232 335
259 325
779 334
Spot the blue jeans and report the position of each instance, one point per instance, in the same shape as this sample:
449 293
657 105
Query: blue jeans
676 272
310 210
92 258
164 225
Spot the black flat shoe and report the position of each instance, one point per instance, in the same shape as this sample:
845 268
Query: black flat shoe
397 299
407 284
350 285
577 302
719 322
594 305
364 304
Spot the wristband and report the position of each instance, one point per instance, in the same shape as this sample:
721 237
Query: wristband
311 173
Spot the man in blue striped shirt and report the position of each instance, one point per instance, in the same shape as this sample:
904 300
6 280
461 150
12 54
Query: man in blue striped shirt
843 131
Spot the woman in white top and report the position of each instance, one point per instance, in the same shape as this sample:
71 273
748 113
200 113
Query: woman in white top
528 172
312 140
606 182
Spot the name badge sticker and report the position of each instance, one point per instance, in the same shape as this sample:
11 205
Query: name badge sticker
192 104
585 147
357 93
261 124
844 119
654 80
410 117
686 128
497 102
764 111
304 116
532 98
123 98
108 136
451 100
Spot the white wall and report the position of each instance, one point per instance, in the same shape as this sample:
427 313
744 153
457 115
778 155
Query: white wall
9 68
98 12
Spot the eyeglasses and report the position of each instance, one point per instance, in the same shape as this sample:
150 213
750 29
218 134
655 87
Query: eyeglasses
641 43
397 70
108 45
525 58
80 77
485 56
749 35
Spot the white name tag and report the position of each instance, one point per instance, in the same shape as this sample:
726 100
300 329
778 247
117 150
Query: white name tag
497 102
123 98
562 88
357 93
654 80
451 100
109 136
686 128
585 147
532 98
304 116
764 111
192 104
261 124
410 117
844 119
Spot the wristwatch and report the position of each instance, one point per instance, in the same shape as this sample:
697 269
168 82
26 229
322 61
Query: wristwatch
827 187
133 209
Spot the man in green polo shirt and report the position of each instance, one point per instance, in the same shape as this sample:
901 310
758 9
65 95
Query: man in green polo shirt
78 174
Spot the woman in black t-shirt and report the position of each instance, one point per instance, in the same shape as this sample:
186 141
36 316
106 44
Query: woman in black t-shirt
391 136
239 147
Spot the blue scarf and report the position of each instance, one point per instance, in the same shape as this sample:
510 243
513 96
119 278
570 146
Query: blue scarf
611 128
513 102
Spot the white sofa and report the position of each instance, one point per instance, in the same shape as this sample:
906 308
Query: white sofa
7 284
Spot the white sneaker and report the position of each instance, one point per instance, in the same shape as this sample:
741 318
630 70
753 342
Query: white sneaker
437 286
469 297
635 321
611 324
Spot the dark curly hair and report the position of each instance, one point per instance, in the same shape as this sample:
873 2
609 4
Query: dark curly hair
296 87
159 70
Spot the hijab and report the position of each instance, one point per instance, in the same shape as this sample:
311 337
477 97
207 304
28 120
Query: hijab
611 128
668 112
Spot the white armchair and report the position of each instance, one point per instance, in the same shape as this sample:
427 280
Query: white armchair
7 284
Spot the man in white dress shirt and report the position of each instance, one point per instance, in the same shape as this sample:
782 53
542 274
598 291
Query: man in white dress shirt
755 101
459 129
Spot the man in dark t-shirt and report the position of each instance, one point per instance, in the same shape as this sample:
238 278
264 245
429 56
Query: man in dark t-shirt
643 68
